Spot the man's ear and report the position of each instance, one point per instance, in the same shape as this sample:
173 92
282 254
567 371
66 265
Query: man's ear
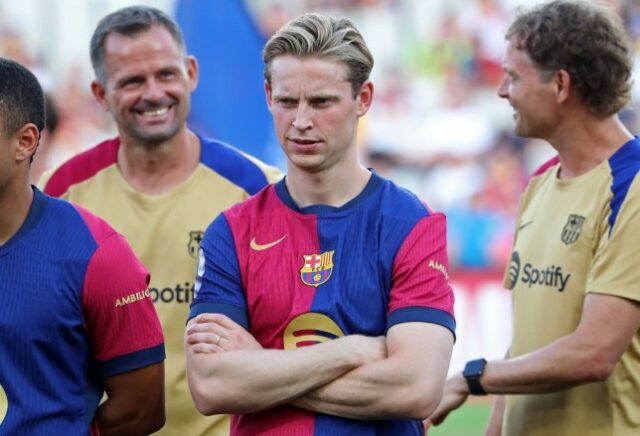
99 92
26 140
267 92
193 71
365 97
562 81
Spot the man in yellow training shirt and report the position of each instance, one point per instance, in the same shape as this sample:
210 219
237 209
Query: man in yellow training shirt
157 183
574 363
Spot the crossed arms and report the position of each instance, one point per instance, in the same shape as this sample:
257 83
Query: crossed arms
398 376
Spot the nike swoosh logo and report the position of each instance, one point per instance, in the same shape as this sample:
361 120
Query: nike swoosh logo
259 247
522 226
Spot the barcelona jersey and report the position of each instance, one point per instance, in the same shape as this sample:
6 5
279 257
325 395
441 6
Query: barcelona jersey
74 309
295 277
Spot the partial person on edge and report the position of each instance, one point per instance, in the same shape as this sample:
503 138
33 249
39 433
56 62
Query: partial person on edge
76 320
573 367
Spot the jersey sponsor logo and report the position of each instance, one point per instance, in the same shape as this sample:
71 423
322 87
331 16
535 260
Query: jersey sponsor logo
551 276
259 247
439 267
132 298
4 404
195 238
310 329
514 270
317 268
571 230
177 294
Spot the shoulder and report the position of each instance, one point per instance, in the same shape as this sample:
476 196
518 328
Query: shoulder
254 207
68 231
98 227
239 168
625 166
401 204
80 168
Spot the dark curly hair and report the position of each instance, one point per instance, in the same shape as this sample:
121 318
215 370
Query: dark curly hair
587 41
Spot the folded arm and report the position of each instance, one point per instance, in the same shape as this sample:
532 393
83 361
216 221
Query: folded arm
220 377
408 383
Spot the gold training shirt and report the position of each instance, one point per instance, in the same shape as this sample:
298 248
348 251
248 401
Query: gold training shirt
574 237
165 232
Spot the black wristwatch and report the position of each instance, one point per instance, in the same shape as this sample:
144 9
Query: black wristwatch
472 372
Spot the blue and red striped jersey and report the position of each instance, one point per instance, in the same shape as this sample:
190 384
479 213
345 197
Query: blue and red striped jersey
74 309
295 277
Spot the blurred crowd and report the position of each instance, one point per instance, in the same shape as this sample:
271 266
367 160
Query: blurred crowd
436 127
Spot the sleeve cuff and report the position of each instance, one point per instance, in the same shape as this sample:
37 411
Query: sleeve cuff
131 361
422 314
235 313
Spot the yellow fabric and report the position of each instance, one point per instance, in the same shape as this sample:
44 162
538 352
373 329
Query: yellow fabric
573 256
159 230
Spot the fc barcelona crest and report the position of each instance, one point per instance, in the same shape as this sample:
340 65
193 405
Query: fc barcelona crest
571 230
195 237
317 268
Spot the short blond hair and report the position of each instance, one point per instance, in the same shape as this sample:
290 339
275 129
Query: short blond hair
319 35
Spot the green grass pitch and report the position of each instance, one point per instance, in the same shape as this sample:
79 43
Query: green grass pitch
469 420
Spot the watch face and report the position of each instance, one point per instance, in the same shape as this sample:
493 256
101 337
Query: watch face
474 367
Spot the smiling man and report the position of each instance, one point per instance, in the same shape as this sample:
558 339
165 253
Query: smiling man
322 304
158 183
573 367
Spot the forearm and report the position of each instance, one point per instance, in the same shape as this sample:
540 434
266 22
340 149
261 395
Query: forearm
115 420
407 384
373 391
220 382
567 362
135 402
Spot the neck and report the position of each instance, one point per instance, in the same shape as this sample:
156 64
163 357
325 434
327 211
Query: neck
158 168
586 142
15 202
329 187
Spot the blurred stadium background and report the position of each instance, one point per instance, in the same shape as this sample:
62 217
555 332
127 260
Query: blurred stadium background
436 126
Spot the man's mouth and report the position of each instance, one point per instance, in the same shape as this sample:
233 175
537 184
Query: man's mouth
155 112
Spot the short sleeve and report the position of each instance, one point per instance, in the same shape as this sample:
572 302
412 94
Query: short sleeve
121 322
420 290
218 287
614 270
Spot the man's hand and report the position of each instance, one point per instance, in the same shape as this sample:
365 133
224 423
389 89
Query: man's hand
216 333
455 394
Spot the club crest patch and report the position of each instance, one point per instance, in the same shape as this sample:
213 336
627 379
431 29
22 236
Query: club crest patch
317 268
195 237
571 230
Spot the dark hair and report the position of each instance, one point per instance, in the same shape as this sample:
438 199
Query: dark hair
587 41
320 35
21 98
129 21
